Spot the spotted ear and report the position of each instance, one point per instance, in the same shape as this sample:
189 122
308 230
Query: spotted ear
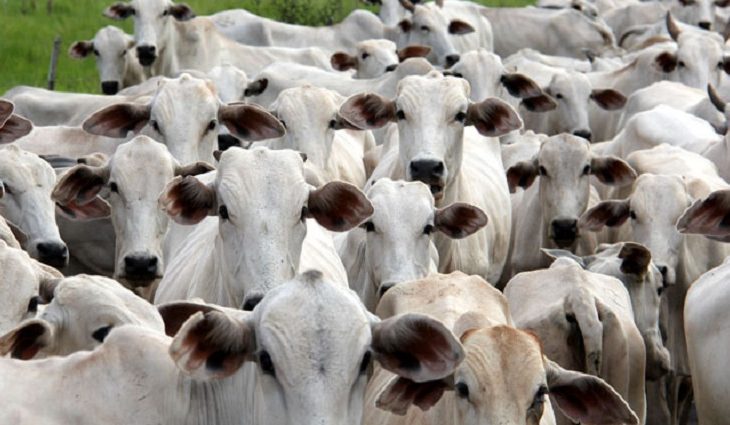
635 258
520 85
181 12
119 11
709 216
27 339
522 174
415 51
368 111
459 220
193 169
118 120
540 103
401 393
341 61
255 88
187 200
607 213
666 62
14 128
459 27
612 171
76 194
608 99
81 49
492 117
250 122
6 109
338 206
175 313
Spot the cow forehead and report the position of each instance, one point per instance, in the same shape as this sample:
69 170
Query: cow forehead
400 199
562 149
24 169
150 5
571 81
142 151
667 191
432 91
110 37
315 102
374 46
185 93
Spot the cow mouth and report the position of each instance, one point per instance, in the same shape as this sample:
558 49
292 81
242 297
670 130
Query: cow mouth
437 191
139 281
564 243
146 60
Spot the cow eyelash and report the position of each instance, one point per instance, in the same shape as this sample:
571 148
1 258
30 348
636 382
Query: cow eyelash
365 56
460 116
7 189
332 124
632 214
462 390
369 226
113 187
425 28
156 126
223 212
212 125
542 171
400 115
267 366
586 170
428 229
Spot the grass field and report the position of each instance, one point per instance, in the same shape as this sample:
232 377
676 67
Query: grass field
26 35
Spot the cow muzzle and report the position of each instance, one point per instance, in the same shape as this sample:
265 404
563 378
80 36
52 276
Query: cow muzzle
564 232
109 87
430 172
140 269
146 55
54 254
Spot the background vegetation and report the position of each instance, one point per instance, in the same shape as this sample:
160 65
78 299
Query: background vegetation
27 31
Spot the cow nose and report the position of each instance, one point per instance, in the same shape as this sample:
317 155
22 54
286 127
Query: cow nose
53 253
586 134
565 231
451 60
226 141
427 170
109 87
141 268
251 302
391 68
704 25
146 55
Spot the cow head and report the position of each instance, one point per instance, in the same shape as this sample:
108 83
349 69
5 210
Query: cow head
110 48
12 127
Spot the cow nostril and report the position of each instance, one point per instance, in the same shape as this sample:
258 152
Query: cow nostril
451 60
250 303
140 267
704 25
391 68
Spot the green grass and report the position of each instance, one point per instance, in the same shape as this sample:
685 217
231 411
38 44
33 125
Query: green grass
26 36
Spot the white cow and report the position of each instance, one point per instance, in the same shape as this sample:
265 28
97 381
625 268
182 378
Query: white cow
115 60
395 245
82 312
262 202
432 113
547 215
135 176
169 38
504 377
586 323
374 58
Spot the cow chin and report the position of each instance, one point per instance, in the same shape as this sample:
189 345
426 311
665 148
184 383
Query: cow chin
138 282
564 243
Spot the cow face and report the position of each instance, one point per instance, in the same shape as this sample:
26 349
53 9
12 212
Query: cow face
135 177
263 202
428 26
431 113
152 23
312 362
398 235
565 165
700 13
372 59
84 309
28 181
110 48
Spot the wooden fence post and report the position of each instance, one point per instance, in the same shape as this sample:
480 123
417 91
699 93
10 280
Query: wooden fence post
54 63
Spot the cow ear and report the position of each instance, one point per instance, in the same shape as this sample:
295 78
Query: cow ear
91 210
119 11
554 254
81 49
255 88
492 117
212 345
368 111
401 393
181 12
14 128
587 399
200 167
635 258
405 25
666 61
118 120
416 347
520 85
338 206
6 110
606 213
415 51
27 339
612 171
176 313
187 200
342 61
522 174
540 103
608 99
459 27
80 184
250 122
709 216
460 220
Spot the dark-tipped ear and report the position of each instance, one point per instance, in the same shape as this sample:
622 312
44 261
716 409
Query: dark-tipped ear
666 61
520 85
401 393
493 117
187 200
405 25
181 12
539 103
250 122
6 110
672 26
14 128
522 174
715 98
81 49
212 345
709 216
92 210
554 254
200 167
612 171
368 111
255 88
342 61
118 120
27 339
415 51
587 399
460 220
339 206
606 213
635 258
608 99
175 313
119 11
80 184
459 27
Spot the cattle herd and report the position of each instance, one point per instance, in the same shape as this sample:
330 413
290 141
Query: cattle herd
442 214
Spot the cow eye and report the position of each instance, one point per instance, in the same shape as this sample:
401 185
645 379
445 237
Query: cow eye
365 362
113 187
166 12
333 124
428 229
33 305
369 226
96 52
365 56
267 366
586 170
425 28
542 171
632 214
212 125
721 65
101 333
681 64
462 390
7 189
223 212
305 213
156 126
400 115
660 291
460 117
559 96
